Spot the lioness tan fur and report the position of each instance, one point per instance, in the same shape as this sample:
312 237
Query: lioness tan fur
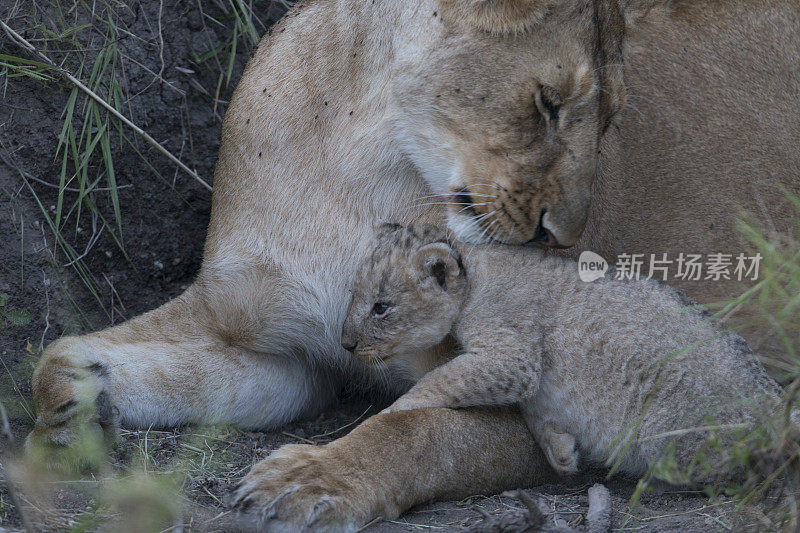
625 365
352 112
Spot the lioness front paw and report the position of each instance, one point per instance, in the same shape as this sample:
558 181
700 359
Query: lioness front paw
76 418
302 487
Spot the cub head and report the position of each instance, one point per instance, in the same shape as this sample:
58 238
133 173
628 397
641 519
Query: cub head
501 105
406 296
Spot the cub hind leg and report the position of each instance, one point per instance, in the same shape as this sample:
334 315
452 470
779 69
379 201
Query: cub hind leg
558 445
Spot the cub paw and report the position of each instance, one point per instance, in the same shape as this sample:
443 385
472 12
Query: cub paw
559 447
301 487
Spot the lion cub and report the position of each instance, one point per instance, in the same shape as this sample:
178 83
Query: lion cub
615 364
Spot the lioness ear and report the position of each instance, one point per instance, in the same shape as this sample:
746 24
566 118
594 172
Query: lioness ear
495 16
437 261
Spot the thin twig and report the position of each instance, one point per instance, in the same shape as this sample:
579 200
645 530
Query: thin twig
298 437
46 283
155 74
343 427
31 177
22 43
365 526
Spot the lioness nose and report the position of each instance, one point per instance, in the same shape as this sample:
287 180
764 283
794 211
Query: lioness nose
544 237
349 345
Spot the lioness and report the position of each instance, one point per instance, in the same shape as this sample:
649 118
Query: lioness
353 111
622 364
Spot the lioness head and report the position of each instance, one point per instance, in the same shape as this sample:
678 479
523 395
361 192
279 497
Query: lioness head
406 296
503 109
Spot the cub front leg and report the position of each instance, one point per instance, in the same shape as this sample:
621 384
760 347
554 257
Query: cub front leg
501 373
389 464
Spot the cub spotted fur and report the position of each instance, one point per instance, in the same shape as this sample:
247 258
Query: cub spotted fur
591 357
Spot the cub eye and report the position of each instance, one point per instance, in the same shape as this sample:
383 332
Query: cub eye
380 308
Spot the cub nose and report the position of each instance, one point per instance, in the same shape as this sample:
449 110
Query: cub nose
349 344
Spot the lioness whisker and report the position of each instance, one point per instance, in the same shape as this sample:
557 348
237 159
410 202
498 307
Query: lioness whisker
467 205
447 195
450 195
449 203
493 185
475 221
479 218
487 229
473 205
484 195
493 235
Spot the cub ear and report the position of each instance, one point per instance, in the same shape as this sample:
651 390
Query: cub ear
495 16
386 228
439 262
638 12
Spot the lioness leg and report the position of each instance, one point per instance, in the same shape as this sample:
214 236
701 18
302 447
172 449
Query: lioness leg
390 463
167 368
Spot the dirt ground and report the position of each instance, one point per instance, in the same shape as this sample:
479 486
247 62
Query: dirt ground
163 227
214 458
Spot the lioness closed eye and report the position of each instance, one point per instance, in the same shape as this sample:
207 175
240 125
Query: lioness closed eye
590 357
